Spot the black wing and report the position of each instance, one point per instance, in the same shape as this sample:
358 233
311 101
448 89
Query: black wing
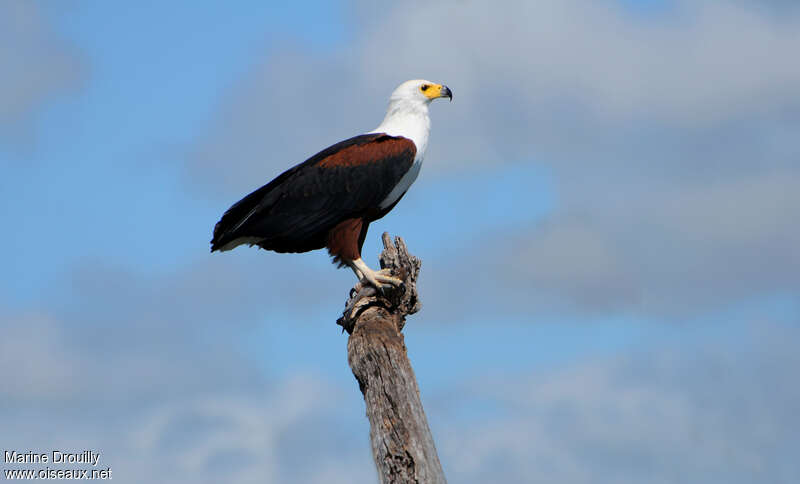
295 211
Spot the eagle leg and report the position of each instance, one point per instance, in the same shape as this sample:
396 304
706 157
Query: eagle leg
376 279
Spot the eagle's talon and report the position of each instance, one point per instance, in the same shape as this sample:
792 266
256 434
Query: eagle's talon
376 279
370 279
385 276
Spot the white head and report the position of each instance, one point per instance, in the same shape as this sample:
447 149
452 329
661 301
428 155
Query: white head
417 94
407 114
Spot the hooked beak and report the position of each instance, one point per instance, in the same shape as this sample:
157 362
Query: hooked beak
446 92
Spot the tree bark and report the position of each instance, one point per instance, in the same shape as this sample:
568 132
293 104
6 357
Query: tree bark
402 444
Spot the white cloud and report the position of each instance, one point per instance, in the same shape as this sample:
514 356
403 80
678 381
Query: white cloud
37 65
529 79
691 64
149 371
181 403
36 363
720 413
680 248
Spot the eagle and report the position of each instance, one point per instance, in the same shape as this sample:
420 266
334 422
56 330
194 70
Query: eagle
329 200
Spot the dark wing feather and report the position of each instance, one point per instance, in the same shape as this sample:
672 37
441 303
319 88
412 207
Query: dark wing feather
295 211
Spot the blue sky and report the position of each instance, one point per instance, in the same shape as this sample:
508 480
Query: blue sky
605 220
139 66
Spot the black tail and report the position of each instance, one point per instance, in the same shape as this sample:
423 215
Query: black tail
229 227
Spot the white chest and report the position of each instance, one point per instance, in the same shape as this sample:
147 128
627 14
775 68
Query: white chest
403 185
415 125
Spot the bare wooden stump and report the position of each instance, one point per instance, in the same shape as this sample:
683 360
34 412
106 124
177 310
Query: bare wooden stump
402 444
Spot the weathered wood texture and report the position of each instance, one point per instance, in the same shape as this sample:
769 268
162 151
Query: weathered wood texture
402 444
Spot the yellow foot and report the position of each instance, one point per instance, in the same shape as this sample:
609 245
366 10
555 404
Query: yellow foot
376 279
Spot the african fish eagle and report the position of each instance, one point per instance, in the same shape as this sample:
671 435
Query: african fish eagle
330 199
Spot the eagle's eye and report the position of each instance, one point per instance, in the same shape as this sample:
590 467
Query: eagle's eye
424 87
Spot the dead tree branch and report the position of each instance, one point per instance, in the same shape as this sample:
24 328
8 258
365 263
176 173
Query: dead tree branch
402 444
